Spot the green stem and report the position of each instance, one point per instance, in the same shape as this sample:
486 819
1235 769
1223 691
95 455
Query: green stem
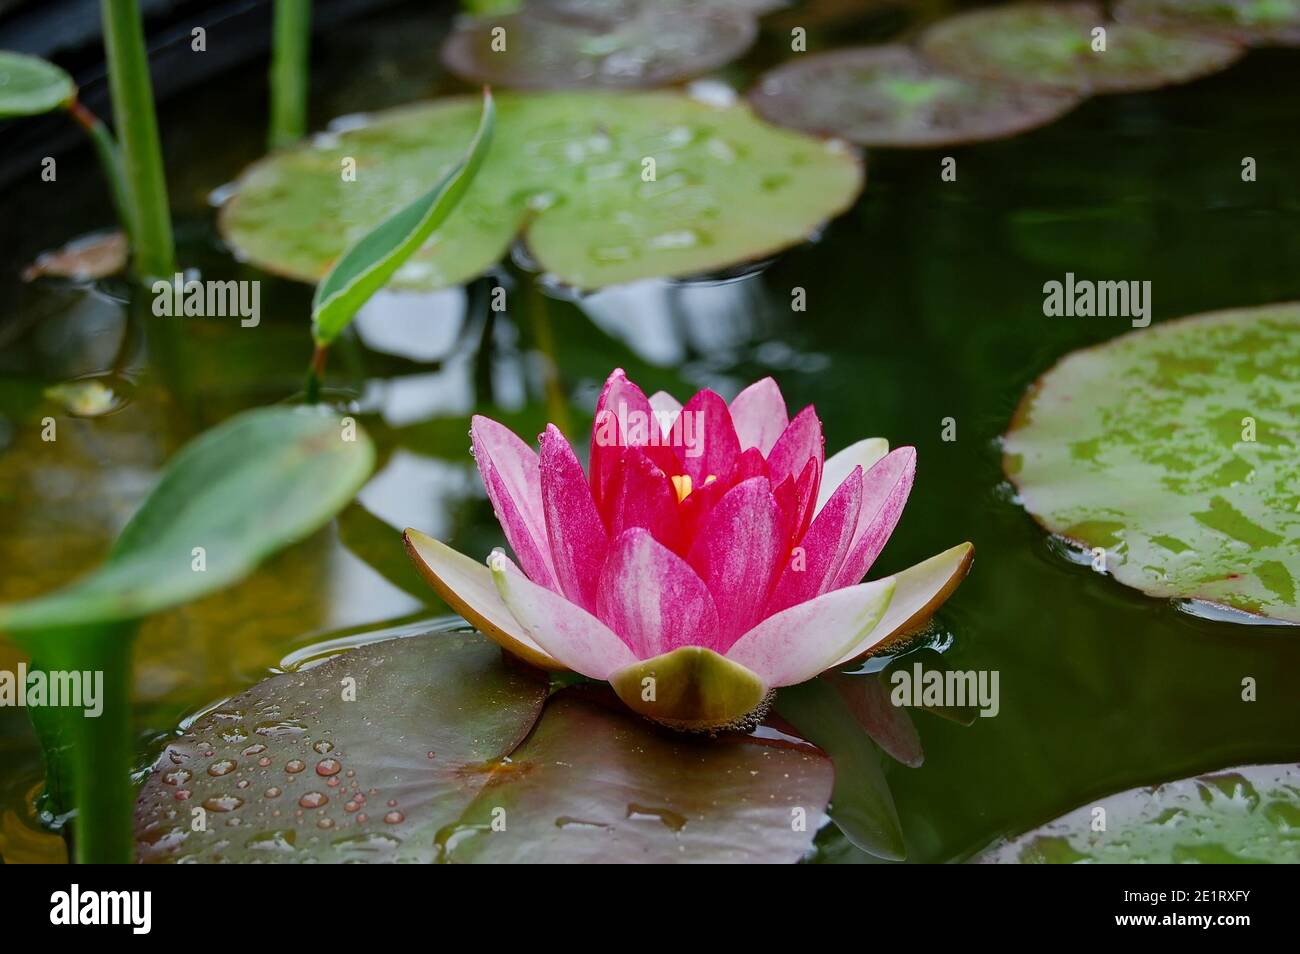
110 160
90 755
316 372
133 112
289 71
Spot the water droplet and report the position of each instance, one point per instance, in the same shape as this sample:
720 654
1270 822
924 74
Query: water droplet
313 800
224 767
177 777
323 746
670 818
281 729
222 803
294 766
273 792
394 818
264 761
328 767
273 841
325 823
257 748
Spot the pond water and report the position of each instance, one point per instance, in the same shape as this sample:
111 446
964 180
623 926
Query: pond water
924 302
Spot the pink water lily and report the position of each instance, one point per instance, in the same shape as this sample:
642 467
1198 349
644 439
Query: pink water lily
710 555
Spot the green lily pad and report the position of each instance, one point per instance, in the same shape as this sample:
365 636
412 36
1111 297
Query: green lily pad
1242 815
890 96
593 784
291 770
568 171
226 501
1258 22
1174 449
1051 46
30 86
651 45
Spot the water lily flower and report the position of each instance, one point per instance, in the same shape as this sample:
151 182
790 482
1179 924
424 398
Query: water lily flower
710 555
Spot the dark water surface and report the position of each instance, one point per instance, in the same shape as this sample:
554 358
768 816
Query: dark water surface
924 303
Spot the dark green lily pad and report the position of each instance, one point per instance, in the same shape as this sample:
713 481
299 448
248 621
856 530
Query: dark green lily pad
1174 449
651 45
566 169
1257 22
890 96
1050 46
291 771
30 86
1243 815
593 784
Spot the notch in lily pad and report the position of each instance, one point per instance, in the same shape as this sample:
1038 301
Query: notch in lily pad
1072 46
889 96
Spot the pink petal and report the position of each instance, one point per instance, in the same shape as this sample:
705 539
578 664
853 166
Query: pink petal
653 599
695 509
884 493
737 553
641 495
624 418
759 415
799 643
576 531
811 568
566 632
863 453
708 446
509 470
800 442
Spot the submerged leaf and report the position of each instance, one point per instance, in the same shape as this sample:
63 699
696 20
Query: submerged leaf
889 96
346 761
606 187
370 262
225 501
1173 451
649 46
1053 46
1258 22
1241 815
30 85
596 785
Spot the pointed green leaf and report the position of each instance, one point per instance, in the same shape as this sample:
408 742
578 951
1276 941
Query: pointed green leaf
367 265
30 86
227 500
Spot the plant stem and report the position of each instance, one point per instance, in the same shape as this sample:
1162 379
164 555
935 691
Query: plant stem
316 372
289 71
133 112
91 756
539 314
110 160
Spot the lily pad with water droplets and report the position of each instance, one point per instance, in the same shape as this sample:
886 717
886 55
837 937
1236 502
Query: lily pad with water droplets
1258 22
569 171
1052 46
890 96
1174 450
649 46
292 771
1242 815
593 784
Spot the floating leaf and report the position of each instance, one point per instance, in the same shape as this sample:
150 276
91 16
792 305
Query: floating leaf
226 500
1051 45
291 770
1258 22
89 257
570 171
889 96
1248 814
30 86
861 804
1173 449
649 46
370 262
592 784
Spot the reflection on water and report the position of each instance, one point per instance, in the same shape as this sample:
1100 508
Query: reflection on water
923 302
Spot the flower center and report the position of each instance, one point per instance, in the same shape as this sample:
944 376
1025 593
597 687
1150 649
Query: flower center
683 486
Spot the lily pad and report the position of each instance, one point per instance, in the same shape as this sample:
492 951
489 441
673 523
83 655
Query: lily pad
650 45
1242 815
569 170
426 765
890 96
226 500
593 784
1051 46
1257 22
291 770
30 86
1173 448
97 255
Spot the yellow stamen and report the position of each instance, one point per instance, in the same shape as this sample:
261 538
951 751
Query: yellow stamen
682 484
